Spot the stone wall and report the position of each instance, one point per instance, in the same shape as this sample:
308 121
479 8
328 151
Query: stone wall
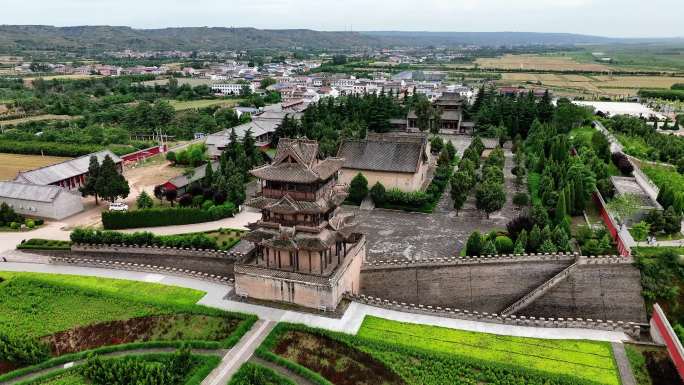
482 284
597 291
600 288
204 261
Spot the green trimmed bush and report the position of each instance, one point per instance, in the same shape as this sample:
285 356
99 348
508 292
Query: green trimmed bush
168 216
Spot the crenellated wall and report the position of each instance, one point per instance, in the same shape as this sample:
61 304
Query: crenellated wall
599 288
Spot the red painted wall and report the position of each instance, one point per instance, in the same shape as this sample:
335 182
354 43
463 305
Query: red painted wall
611 226
142 154
674 347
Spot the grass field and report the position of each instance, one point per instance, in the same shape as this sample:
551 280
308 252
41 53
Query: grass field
191 104
584 359
36 118
36 304
11 164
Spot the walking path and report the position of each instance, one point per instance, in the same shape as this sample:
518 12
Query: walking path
350 323
622 361
67 365
239 354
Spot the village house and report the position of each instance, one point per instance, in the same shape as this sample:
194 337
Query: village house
450 106
70 174
396 160
51 202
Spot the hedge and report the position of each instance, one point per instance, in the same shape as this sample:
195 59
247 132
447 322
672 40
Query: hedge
58 149
107 237
170 216
44 244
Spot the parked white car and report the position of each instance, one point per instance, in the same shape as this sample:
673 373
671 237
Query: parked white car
118 206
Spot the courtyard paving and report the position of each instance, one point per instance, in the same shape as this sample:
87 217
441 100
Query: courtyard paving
415 236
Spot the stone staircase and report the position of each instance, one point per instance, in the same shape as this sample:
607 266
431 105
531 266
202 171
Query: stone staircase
532 296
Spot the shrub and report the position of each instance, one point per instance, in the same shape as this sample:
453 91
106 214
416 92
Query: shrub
521 199
30 223
207 204
474 244
14 226
623 164
358 188
378 193
504 244
98 237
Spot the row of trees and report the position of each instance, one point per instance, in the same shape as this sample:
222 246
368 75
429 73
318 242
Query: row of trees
465 178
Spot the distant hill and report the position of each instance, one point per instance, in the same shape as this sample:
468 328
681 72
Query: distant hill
80 38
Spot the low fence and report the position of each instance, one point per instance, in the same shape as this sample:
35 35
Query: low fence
662 332
143 154
629 328
620 236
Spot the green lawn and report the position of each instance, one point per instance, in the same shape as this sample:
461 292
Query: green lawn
663 176
180 105
583 359
583 134
39 304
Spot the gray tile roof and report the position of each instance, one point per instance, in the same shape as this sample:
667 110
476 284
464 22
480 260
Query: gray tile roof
29 192
198 174
382 155
60 171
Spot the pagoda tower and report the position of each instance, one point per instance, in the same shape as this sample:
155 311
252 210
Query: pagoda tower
306 251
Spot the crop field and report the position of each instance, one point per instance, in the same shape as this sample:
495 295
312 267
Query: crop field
539 62
420 354
585 359
192 104
36 118
594 84
53 299
11 164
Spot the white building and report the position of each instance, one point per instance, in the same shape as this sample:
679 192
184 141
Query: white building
231 88
52 202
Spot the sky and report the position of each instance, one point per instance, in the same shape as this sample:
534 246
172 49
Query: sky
613 18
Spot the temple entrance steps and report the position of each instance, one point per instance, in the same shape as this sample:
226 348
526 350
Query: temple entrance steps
532 296
367 203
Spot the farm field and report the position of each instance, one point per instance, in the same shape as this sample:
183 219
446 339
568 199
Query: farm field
52 299
36 118
391 352
11 164
539 62
191 104
594 84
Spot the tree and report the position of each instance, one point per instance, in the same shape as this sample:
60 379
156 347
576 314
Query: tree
548 247
451 150
535 239
490 197
171 157
377 192
266 82
171 195
208 175
460 187
358 188
489 248
185 200
673 221
110 184
474 244
89 187
144 201
640 231
560 208
601 146
159 192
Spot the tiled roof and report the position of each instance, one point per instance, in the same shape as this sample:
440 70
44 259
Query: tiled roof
296 161
60 171
375 155
198 174
29 192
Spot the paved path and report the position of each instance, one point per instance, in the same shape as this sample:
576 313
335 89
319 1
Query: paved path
622 361
56 230
239 354
349 323
67 365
